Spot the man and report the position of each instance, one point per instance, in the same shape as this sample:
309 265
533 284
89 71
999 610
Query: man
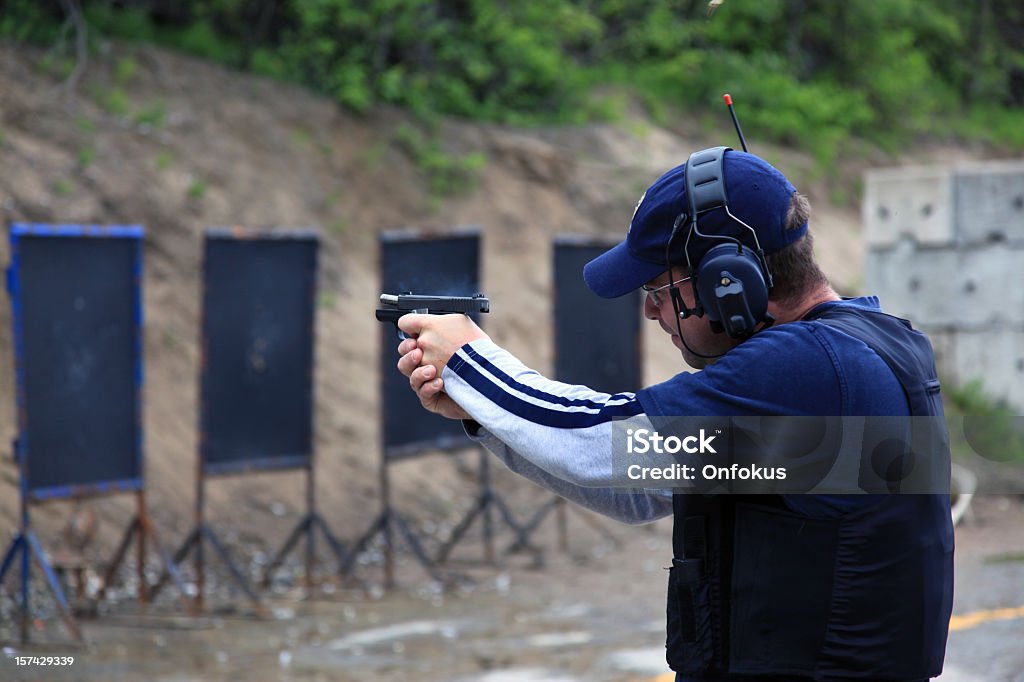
762 587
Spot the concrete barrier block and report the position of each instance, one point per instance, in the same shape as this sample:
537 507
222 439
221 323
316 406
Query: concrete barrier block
911 202
919 285
989 203
989 285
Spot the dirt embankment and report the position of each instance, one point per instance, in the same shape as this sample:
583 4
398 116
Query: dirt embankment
191 145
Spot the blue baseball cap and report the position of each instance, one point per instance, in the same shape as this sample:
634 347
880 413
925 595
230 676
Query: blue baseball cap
758 194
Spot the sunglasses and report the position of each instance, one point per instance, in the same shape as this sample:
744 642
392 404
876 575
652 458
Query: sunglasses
656 295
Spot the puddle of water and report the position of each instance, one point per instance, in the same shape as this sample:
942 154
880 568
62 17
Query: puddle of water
321 658
385 635
646 661
569 611
522 675
556 639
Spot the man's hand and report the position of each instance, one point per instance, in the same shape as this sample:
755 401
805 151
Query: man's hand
434 340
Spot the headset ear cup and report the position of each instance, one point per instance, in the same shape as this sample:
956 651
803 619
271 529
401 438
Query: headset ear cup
731 286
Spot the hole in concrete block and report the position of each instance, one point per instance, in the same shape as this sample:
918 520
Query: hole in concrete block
883 213
969 286
926 210
1018 203
914 284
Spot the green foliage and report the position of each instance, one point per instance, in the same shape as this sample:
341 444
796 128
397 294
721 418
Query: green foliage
58 66
125 70
997 126
1004 558
992 428
63 188
269 62
202 39
479 59
332 199
132 24
812 74
153 115
29 21
113 101
196 189
164 160
85 125
969 398
447 174
86 155
302 137
372 157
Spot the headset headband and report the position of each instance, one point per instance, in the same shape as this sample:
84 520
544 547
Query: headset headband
705 190
705 180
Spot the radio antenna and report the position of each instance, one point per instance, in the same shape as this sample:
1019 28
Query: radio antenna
735 121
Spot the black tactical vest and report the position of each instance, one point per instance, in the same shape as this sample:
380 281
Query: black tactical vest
756 589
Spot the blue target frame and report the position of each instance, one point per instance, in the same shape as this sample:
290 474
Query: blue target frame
76 312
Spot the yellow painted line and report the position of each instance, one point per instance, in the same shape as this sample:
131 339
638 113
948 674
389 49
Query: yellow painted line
971 620
964 622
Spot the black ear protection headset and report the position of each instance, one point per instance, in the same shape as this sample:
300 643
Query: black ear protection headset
731 281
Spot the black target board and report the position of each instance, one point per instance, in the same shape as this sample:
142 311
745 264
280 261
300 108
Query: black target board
77 325
597 340
430 264
256 406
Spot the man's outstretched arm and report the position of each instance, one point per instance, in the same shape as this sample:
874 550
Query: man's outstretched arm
558 435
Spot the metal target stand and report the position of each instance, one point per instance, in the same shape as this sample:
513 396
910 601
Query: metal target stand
61 302
385 525
202 533
306 527
25 546
139 530
485 499
576 310
390 522
438 264
561 508
240 399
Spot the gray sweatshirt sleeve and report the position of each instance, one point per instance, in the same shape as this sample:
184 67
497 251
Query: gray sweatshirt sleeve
557 435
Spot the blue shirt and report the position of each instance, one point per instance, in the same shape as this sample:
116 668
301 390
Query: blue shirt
796 369
801 368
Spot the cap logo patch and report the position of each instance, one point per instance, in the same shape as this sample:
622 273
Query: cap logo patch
642 197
